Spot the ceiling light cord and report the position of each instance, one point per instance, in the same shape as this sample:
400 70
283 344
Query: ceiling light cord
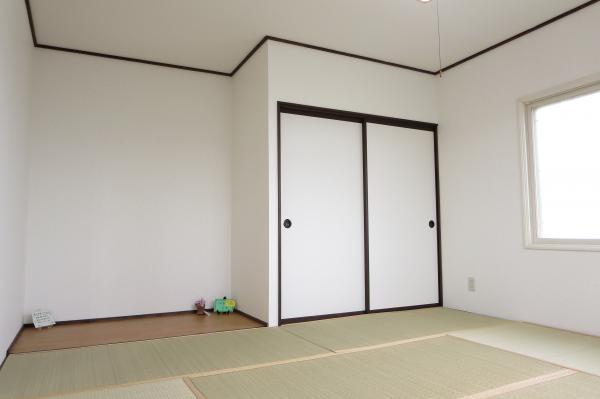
439 43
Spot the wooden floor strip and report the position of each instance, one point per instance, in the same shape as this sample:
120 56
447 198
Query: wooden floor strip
399 342
193 388
520 385
261 365
388 344
113 331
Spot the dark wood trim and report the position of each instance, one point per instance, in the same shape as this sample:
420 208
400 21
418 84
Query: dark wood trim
249 55
299 44
401 309
139 316
110 56
9 349
438 215
31 25
346 54
518 35
256 319
319 317
4 360
203 70
350 116
138 60
365 176
12 344
363 119
279 221
115 318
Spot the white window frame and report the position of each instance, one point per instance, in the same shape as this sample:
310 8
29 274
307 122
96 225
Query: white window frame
527 107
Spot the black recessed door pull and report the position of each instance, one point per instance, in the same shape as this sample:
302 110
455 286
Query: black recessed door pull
431 224
287 223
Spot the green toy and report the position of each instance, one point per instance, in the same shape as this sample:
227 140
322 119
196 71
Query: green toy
224 305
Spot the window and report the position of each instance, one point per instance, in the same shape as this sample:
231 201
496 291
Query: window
562 170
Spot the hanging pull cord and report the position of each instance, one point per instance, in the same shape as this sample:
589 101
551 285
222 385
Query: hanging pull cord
439 43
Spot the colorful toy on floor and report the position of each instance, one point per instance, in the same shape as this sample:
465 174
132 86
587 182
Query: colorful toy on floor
224 305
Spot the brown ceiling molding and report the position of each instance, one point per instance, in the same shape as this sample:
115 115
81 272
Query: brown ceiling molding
295 43
111 56
521 34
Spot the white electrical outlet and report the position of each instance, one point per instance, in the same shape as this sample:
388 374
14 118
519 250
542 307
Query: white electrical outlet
471 284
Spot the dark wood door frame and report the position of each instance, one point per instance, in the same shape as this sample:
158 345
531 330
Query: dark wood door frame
363 119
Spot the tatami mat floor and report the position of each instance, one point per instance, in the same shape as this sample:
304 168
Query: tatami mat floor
378 328
577 386
70 370
428 353
576 351
171 389
442 367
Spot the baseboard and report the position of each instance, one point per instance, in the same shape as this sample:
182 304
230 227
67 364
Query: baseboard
4 361
114 318
138 316
263 323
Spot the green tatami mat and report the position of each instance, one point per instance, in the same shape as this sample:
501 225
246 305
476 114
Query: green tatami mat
578 386
438 368
71 370
571 350
172 389
379 328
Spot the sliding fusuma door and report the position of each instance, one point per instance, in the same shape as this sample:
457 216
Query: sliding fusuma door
322 240
358 214
403 258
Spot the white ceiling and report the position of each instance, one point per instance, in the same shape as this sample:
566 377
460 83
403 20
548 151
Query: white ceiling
217 34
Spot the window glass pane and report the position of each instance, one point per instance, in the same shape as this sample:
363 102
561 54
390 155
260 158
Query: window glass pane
567 150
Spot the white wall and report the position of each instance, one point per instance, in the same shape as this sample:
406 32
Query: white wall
250 203
482 233
15 57
317 78
130 187
133 171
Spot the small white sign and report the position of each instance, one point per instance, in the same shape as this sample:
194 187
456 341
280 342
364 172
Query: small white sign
42 318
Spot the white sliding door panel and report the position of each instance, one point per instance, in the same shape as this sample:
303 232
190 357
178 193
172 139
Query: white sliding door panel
402 201
322 253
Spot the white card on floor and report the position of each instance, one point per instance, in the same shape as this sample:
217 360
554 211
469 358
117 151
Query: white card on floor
42 318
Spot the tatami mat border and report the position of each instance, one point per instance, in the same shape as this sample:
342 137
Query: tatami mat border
521 384
188 382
